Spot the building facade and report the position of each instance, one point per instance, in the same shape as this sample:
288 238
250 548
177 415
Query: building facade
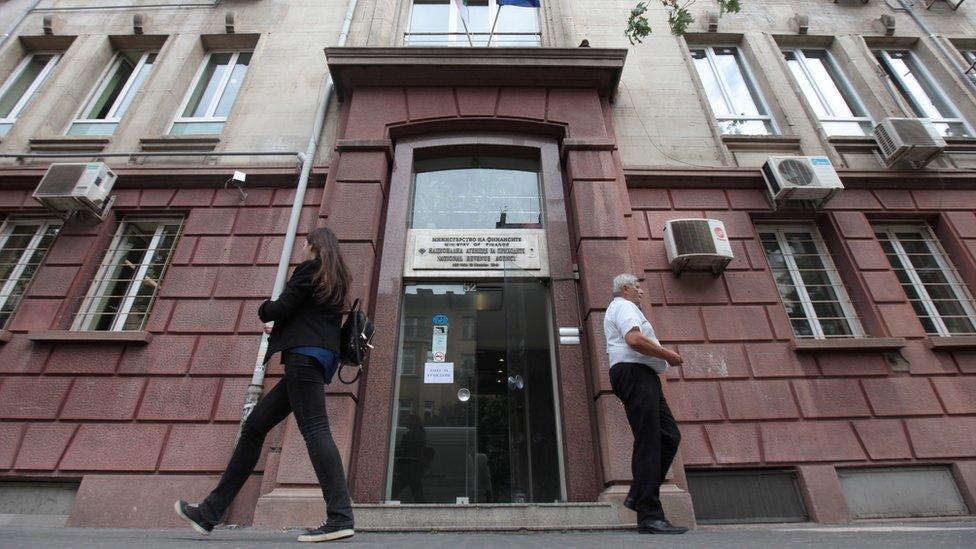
487 179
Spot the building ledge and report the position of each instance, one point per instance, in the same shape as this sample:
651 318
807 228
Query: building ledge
194 143
5 336
595 68
787 143
67 143
957 343
853 143
71 336
867 344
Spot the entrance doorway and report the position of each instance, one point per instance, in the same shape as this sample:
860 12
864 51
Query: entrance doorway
475 418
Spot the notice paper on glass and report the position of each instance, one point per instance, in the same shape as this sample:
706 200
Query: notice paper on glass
439 372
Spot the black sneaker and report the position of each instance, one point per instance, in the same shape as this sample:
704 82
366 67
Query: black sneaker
192 515
327 532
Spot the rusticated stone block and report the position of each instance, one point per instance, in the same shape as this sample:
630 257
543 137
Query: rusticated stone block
192 197
648 199
943 437
580 109
134 447
371 109
963 222
355 211
747 199
759 400
821 398
902 396
21 356
231 401
255 197
693 448
674 324
854 199
810 441
32 397
181 399
35 314
884 286
694 289
156 198
736 323
853 225
951 199
225 355
958 394
205 315
901 320
9 438
165 355
598 210
699 199
883 438
738 224
824 495
733 443
69 250
896 199
852 364
43 446
188 282
219 250
591 165
868 255
477 101
601 261
50 281
204 221
83 358
95 398
713 361
779 360
199 448
522 103
751 287
261 221
424 103
245 282
695 401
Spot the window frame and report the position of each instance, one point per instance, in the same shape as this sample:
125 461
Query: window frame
948 271
113 117
833 275
455 35
86 315
747 76
218 94
31 90
42 224
840 80
924 74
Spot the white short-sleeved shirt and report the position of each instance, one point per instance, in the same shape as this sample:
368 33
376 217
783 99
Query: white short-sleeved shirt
623 316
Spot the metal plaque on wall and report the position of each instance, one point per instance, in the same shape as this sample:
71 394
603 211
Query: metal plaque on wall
447 253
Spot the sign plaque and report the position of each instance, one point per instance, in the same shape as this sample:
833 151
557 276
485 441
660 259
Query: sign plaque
446 252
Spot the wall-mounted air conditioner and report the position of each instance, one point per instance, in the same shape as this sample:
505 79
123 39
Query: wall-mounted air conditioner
810 178
910 140
84 187
697 245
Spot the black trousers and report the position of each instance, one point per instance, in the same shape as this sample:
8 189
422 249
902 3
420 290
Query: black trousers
302 392
656 435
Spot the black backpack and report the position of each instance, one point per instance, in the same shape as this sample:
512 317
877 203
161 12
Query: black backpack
357 331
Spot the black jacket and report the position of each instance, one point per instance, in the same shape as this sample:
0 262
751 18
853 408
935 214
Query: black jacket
299 320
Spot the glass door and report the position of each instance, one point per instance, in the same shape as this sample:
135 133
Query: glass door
475 419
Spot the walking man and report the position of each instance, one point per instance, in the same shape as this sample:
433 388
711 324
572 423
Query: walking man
636 361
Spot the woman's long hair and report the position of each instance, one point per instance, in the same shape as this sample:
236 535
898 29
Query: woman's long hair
333 279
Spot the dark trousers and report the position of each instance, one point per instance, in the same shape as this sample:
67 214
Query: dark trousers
656 435
302 391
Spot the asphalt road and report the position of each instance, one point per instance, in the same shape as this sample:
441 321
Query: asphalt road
890 535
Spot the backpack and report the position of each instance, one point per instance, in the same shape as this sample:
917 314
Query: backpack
354 341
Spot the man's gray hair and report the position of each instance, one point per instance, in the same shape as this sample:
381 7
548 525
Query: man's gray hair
622 280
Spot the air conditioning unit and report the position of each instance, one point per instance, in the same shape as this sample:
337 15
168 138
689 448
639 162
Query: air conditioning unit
697 245
909 140
85 187
810 178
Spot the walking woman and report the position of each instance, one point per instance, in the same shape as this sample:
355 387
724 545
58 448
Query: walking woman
307 319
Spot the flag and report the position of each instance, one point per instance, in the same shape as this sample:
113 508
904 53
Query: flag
520 3
462 6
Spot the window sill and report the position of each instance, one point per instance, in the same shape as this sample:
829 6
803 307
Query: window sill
853 143
69 144
761 142
960 144
957 343
867 344
5 336
71 336
193 143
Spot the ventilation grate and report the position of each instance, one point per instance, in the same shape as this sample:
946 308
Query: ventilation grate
795 172
884 141
912 132
754 495
692 236
61 179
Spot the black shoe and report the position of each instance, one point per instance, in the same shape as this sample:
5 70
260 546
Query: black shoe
651 526
327 532
192 515
630 503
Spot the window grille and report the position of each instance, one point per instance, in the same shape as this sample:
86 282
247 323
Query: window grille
23 245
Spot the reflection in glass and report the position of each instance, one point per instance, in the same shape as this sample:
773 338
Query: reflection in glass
733 96
114 94
921 92
23 245
828 93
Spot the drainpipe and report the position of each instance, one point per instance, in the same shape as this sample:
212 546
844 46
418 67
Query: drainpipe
943 49
257 379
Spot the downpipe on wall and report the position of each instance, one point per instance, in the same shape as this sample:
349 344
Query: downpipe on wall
256 387
951 56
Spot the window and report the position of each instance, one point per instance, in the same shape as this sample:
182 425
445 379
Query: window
815 300
442 23
208 103
22 85
114 93
731 91
127 282
23 245
408 361
828 92
477 193
941 301
414 328
921 92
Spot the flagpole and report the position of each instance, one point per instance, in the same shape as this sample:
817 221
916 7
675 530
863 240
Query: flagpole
495 22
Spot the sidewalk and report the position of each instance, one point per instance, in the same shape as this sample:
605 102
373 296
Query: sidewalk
889 535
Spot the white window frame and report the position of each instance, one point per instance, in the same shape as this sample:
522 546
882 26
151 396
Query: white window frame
844 85
86 314
455 30
6 228
857 331
210 117
31 91
924 74
113 116
750 81
959 288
